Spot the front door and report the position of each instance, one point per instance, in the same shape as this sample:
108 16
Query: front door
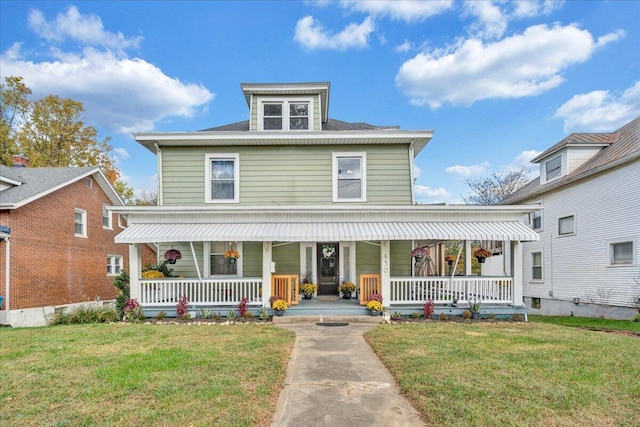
328 274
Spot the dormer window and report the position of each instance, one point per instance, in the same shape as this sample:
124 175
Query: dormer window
553 168
285 115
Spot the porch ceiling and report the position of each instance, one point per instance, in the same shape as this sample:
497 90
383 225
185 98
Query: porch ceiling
314 232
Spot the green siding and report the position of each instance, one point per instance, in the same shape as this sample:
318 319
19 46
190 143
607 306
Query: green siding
185 266
367 259
287 258
254 114
400 258
252 262
293 175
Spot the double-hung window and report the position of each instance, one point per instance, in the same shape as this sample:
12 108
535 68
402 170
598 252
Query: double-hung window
80 223
114 265
566 225
553 168
349 177
106 217
285 115
535 219
221 266
222 175
536 266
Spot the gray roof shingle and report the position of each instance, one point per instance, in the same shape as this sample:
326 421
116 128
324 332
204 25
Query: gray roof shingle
330 124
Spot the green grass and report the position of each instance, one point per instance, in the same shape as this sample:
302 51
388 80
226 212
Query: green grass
513 374
589 323
135 374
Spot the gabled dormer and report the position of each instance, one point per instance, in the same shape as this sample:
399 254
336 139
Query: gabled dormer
288 107
570 153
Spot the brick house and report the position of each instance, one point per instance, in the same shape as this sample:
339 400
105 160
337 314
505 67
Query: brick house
56 241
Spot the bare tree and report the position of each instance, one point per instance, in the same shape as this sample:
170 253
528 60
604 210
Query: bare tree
495 188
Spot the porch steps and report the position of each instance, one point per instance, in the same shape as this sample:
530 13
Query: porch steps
331 318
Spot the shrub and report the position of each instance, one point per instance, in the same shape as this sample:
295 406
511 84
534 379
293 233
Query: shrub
517 317
466 314
162 268
428 309
85 314
161 315
242 307
205 313
263 314
186 316
133 311
491 316
415 315
121 282
249 315
181 307
443 316
231 315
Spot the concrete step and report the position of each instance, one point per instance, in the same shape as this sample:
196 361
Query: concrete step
330 318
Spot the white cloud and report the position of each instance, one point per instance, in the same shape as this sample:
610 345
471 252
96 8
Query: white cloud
310 34
523 160
423 192
404 10
119 94
524 64
467 171
600 110
87 29
532 8
417 172
491 23
120 154
404 47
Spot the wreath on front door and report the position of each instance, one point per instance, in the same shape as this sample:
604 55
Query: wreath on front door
328 251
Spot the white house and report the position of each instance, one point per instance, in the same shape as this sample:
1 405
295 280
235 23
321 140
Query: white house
587 260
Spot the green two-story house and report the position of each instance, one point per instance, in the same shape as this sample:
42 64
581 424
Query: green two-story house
299 195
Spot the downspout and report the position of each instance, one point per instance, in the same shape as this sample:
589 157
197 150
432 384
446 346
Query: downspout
7 264
413 200
159 167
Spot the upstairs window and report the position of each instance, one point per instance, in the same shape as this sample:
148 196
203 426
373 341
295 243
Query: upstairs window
106 217
80 223
553 168
566 225
114 265
285 115
535 219
349 177
222 178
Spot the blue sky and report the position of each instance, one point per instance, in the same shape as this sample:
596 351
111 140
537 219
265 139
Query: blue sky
498 82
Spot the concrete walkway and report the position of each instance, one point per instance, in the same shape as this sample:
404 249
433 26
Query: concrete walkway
335 379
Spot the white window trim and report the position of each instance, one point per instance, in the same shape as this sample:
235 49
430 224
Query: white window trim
285 101
334 175
84 222
634 252
575 225
109 216
236 176
207 264
120 224
541 280
111 261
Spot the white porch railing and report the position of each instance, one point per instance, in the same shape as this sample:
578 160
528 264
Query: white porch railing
446 289
206 292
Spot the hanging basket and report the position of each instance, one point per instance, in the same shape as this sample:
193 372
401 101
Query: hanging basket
481 259
232 261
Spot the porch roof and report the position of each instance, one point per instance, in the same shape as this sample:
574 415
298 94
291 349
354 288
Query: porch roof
326 231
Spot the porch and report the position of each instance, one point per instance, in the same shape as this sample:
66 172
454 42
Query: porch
451 295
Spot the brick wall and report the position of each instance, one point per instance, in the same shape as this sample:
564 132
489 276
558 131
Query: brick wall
49 265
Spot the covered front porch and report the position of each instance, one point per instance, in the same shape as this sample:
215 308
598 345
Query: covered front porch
279 248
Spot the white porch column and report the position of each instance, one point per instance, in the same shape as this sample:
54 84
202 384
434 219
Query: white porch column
135 263
516 272
385 271
266 273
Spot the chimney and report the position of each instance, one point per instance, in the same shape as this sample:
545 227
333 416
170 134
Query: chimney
20 161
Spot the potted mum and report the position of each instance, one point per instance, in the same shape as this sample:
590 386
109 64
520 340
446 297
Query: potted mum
375 307
279 306
172 255
308 290
232 256
420 253
347 288
481 255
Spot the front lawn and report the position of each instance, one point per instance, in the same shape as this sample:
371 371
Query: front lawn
513 374
142 375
